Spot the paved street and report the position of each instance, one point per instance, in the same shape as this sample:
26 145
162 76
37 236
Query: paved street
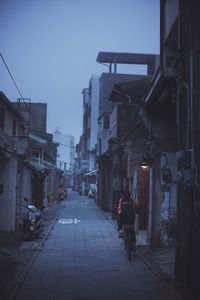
83 258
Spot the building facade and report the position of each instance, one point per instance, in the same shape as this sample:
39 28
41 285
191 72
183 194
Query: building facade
86 150
28 160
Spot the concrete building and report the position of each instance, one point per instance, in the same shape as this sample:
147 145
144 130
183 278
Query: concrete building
172 105
37 176
88 140
93 120
26 158
92 129
108 85
66 150
9 130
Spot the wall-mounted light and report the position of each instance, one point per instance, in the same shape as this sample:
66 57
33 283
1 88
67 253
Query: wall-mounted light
144 165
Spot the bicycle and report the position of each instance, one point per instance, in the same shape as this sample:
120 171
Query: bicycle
129 238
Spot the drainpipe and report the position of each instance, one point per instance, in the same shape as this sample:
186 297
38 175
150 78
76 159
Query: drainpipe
149 234
123 94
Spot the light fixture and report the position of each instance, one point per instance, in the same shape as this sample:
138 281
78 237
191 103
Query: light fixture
144 165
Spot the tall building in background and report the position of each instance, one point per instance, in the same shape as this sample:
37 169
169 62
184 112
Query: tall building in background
86 169
66 149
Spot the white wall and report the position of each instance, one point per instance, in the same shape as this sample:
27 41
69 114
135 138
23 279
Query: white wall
66 150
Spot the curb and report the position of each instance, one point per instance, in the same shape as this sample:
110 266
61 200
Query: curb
24 274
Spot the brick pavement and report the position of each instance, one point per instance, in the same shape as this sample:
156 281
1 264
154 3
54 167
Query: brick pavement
83 258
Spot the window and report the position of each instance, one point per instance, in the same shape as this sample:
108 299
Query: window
2 117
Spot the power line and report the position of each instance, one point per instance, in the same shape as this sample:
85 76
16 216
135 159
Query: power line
67 145
18 89
7 68
10 74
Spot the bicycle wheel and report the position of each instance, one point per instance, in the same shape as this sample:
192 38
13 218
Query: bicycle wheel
129 252
128 245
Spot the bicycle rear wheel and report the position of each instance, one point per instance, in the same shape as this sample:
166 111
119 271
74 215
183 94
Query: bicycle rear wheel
128 245
129 251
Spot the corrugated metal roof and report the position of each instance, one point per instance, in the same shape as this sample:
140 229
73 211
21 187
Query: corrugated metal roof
37 138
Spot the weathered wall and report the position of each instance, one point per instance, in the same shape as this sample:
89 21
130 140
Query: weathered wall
188 227
94 111
9 118
169 200
24 189
8 173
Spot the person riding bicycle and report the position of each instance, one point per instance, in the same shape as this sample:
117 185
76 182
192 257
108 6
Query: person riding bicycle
127 208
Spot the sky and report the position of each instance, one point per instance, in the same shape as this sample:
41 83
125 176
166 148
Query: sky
51 46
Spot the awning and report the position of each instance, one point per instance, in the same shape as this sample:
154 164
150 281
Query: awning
50 166
37 138
91 173
35 165
133 90
161 76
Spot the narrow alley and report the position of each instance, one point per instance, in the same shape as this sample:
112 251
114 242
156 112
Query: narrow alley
83 258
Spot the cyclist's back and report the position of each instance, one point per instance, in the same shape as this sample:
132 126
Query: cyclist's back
127 211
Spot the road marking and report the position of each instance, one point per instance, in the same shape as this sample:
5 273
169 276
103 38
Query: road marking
76 221
69 221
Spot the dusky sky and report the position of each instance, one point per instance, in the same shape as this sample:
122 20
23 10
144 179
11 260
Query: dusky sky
51 47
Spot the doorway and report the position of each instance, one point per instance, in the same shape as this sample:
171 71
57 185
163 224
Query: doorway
143 203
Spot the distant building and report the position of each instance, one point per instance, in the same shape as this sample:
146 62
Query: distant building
66 149
87 147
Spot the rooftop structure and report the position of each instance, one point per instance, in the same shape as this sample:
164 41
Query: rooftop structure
151 60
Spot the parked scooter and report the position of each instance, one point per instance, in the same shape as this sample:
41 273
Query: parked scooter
91 194
62 193
32 221
61 196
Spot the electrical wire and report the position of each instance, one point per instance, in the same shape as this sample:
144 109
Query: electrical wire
72 147
33 117
7 68
10 74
